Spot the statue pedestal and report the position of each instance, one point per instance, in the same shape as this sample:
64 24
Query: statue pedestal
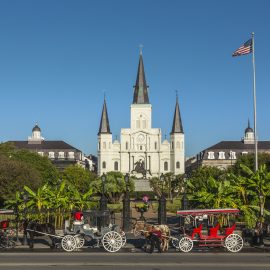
142 185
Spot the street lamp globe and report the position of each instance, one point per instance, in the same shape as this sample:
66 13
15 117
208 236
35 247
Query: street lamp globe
103 178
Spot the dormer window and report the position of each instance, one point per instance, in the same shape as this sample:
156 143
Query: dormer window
232 155
211 155
61 155
221 155
71 155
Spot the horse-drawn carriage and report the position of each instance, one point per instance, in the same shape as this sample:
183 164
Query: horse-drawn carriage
95 228
205 229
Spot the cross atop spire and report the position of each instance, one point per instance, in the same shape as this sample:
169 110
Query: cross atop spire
141 47
140 89
177 126
104 126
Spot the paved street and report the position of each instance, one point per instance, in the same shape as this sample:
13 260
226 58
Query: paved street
130 261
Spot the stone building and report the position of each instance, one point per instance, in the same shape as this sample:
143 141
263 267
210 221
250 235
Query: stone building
60 153
225 153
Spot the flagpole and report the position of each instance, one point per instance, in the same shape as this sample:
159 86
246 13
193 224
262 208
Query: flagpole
254 104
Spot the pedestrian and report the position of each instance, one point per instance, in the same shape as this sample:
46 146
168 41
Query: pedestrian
155 239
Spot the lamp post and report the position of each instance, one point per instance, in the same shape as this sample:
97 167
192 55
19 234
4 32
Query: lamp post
162 203
126 206
184 201
103 199
25 199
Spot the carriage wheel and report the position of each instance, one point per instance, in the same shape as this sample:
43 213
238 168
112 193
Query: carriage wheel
69 243
234 242
185 244
112 241
124 238
175 241
79 241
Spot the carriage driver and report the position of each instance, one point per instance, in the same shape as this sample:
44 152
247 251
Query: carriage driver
78 218
155 239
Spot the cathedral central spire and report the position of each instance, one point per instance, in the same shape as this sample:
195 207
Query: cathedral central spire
140 88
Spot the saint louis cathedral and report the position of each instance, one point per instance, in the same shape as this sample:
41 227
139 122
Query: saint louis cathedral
141 150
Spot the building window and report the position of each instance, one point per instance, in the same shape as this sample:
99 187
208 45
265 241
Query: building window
104 145
138 123
211 155
51 154
61 155
165 166
144 124
116 166
232 155
177 145
41 154
244 153
177 165
155 145
103 165
71 155
221 155
126 145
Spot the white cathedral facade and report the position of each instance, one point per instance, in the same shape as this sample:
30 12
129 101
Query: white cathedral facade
141 151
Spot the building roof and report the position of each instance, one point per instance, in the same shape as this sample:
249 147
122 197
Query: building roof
44 145
177 126
140 89
239 145
104 126
36 128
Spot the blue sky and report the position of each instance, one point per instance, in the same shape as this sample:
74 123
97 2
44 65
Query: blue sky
58 57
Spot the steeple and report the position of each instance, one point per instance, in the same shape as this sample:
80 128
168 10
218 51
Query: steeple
140 89
177 122
104 126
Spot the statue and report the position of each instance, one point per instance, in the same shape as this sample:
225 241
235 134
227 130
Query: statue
139 167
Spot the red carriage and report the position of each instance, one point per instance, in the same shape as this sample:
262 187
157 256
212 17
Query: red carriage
206 230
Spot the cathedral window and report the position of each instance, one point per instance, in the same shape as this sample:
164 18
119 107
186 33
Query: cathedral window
177 165
140 147
177 145
155 145
211 155
103 165
165 166
221 155
144 124
116 166
98 145
104 145
126 145
172 145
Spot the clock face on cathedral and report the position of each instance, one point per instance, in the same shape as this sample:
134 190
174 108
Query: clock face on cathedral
140 138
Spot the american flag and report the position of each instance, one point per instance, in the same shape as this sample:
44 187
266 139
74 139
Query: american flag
244 49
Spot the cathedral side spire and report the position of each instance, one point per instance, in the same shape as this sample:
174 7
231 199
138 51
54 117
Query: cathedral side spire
104 126
140 88
177 126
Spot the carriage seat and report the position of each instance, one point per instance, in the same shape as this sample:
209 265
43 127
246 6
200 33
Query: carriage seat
197 231
213 232
230 230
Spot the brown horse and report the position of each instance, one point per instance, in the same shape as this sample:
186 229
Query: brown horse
145 229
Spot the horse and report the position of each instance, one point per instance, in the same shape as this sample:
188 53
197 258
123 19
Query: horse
33 227
145 229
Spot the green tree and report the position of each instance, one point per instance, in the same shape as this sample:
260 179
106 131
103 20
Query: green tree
79 177
14 175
